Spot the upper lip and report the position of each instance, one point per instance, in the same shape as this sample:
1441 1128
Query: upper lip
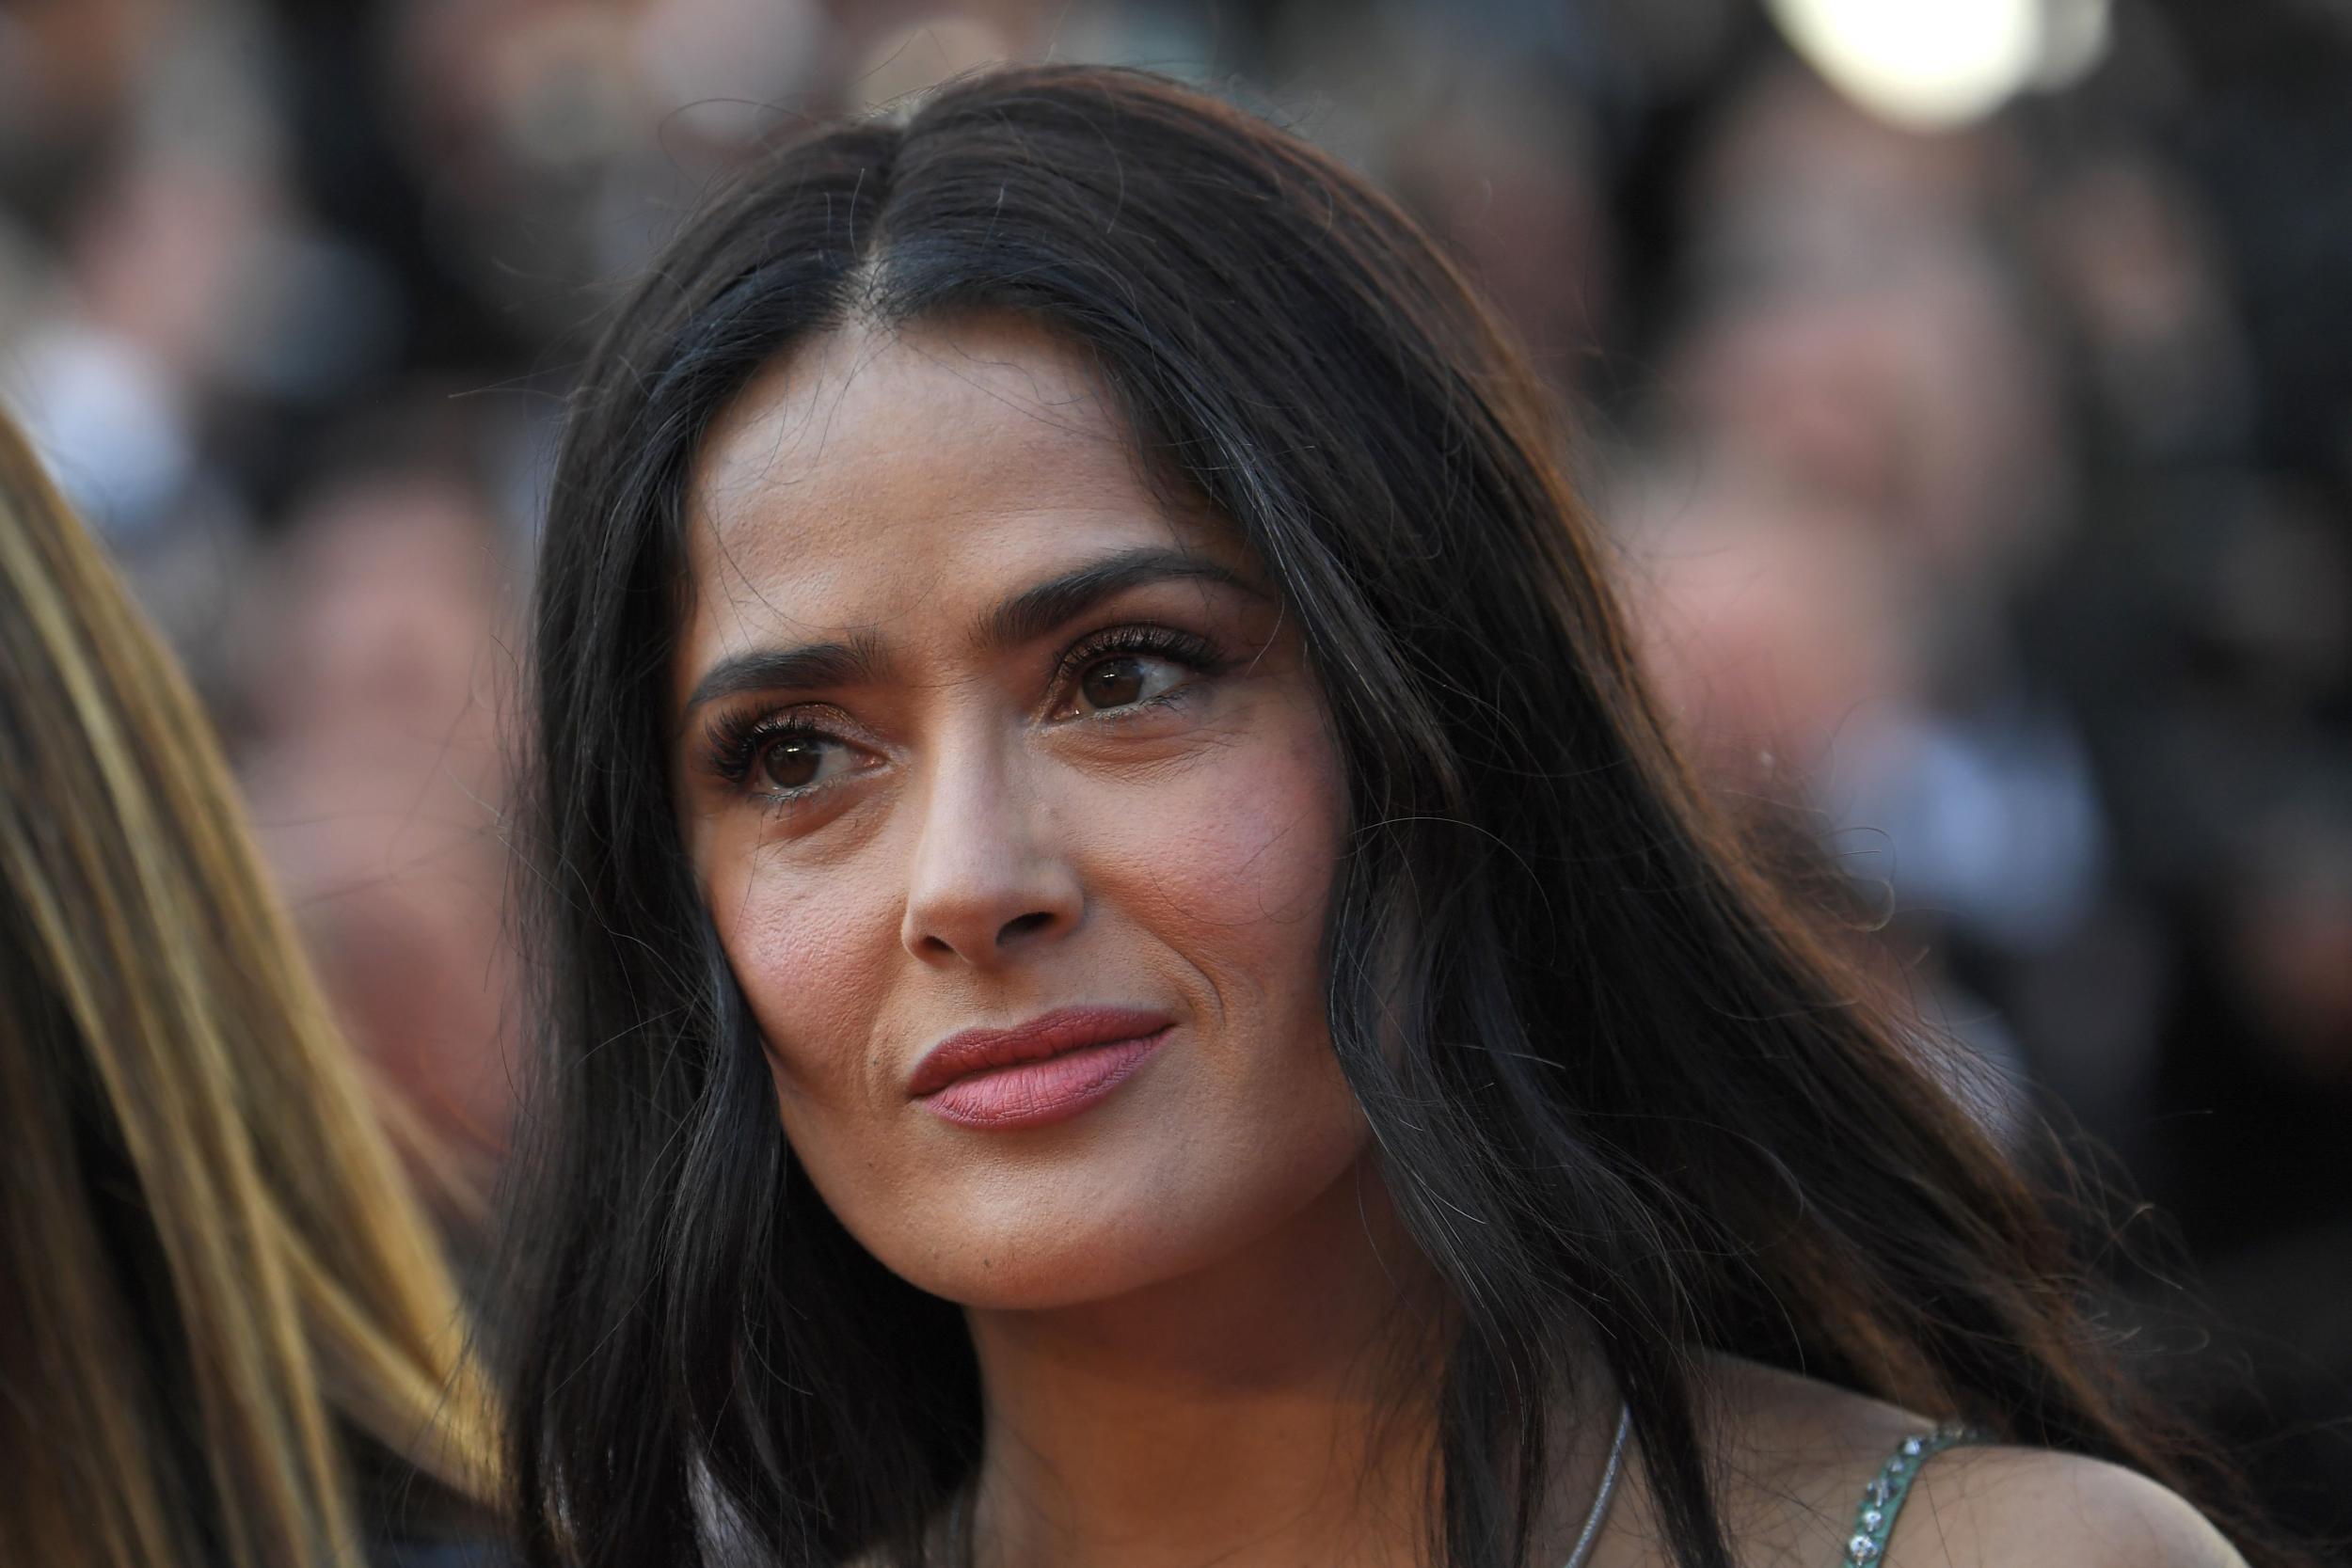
1066 1029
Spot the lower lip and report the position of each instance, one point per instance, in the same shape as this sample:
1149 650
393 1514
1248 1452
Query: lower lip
1037 1094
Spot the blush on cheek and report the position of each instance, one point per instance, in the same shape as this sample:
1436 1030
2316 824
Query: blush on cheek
1257 846
808 958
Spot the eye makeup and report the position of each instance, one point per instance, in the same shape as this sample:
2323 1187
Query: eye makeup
1195 656
762 753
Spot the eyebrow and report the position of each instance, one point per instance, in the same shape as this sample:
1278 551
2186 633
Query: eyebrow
1034 611
1029 614
815 664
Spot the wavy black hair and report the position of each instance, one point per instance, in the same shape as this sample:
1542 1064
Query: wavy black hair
1622 1088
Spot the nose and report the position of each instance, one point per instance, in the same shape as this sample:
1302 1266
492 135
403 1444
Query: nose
988 876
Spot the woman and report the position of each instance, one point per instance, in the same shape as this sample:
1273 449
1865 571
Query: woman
1130 977
229 1338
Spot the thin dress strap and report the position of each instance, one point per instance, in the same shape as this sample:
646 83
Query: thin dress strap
1883 1500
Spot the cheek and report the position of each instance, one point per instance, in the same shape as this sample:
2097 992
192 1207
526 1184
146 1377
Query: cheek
804 950
1231 868
1226 873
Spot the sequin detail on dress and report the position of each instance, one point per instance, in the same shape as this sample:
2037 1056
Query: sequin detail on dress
1883 1500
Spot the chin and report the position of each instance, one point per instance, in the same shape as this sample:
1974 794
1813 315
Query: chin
1008 1245
1091 1232
1066 1273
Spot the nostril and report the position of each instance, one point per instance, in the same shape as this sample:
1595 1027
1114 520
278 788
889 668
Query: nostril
1020 926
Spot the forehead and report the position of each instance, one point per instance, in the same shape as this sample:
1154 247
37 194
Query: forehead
871 471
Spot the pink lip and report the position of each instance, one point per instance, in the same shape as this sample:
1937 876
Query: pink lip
1045 1071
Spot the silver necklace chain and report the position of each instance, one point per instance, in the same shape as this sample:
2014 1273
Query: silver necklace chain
1600 1514
958 1525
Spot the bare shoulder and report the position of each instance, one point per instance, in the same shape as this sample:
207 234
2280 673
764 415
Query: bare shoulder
2032 1506
1798 1452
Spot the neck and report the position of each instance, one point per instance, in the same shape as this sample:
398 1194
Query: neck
1277 1408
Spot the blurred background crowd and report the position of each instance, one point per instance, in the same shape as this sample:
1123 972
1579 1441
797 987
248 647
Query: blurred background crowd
1965 384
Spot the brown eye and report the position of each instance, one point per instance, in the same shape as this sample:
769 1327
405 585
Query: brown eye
796 761
1129 680
1118 682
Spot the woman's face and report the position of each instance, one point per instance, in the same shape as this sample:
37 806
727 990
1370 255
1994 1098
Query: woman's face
1018 812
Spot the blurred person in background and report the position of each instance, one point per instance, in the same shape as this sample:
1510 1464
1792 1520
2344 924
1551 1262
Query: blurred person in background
1859 458
372 671
231 1338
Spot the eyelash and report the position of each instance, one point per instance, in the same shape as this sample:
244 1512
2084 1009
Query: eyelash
735 741
1179 647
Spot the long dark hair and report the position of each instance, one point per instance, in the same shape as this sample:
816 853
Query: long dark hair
1619 1085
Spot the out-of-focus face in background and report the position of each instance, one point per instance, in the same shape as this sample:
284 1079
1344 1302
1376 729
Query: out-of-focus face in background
1968 384
375 682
